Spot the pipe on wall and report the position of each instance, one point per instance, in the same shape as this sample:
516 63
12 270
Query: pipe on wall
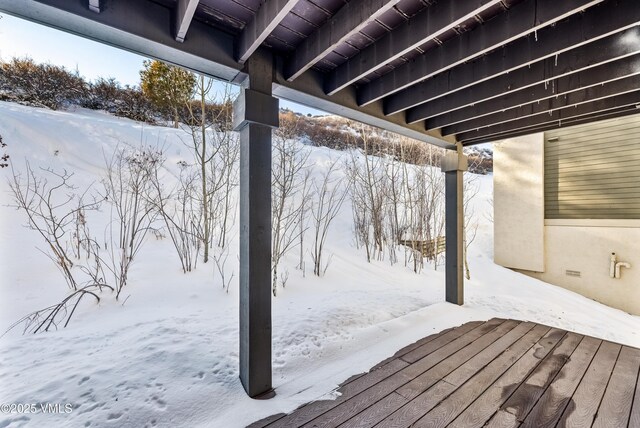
620 265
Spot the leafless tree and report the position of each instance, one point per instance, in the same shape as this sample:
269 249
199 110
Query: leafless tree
198 127
368 189
179 209
220 258
224 174
290 193
303 216
330 194
127 186
216 151
471 190
4 159
394 204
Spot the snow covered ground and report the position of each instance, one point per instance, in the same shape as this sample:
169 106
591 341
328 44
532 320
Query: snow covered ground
168 357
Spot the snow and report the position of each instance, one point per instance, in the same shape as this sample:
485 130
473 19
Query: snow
168 356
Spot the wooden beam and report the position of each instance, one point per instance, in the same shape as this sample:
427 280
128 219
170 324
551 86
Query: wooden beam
595 23
307 90
522 19
425 26
267 18
564 88
185 9
94 6
576 98
579 60
351 18
140 26
587 118
631 100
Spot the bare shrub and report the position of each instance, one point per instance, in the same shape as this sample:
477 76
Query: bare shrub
58 213
290 193
471 190
4 159
179 210
124 101
329 195
41 85
51 204
215 152
51 317
127 186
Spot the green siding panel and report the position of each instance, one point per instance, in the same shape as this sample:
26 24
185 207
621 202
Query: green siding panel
593 171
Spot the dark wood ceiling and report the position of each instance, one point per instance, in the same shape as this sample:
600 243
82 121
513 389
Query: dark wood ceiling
470 71
469 79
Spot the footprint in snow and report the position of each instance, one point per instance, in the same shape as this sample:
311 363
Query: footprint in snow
8 422
114 416
159 402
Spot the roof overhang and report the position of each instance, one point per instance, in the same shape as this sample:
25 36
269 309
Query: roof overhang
441 72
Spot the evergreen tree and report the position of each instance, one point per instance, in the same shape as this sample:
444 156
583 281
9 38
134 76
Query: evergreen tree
167 86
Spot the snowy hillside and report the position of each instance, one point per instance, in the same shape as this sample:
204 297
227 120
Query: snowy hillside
167 354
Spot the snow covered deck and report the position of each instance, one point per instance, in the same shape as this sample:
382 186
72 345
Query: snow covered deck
502 373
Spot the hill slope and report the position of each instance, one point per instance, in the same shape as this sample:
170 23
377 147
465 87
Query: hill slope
168 356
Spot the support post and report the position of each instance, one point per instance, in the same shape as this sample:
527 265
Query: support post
255 113
453 165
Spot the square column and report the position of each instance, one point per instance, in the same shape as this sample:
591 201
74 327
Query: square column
454 163
255 113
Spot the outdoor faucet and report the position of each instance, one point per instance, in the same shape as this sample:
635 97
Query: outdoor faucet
621 265
616 266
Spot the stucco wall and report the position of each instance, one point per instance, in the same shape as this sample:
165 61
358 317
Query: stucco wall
587 250
547 249
518 201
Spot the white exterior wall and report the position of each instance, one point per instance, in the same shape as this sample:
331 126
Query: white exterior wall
570 245
518 202
523 240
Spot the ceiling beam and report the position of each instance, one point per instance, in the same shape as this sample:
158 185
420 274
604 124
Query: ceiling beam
583 28
94 6
185 9
427 25
351 18
443 111
308 90
589 78
588 118
576 98
631 100
139 26
266 19
522 19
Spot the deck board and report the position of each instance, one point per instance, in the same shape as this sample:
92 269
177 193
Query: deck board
449 409
498 373
529 392
490 401
588 396
615 409
557 396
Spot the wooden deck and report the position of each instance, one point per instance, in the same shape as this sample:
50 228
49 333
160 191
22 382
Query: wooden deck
499 373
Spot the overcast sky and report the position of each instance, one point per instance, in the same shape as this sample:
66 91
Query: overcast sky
20 38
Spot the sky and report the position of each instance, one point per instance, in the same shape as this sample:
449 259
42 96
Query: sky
20 38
